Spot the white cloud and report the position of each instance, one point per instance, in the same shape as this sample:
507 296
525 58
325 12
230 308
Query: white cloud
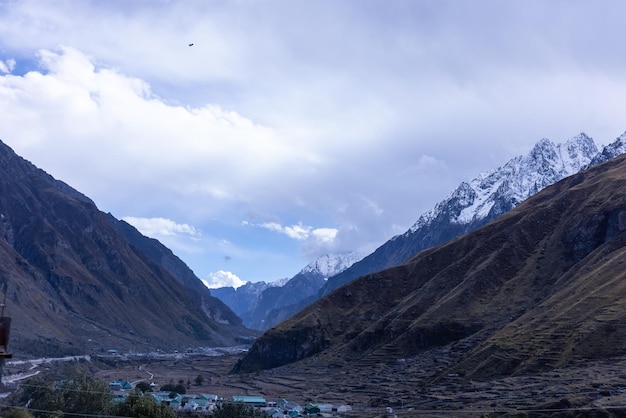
325 235
161 227
7 66
223 278
299 231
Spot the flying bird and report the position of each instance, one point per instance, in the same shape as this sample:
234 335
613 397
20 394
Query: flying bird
190 44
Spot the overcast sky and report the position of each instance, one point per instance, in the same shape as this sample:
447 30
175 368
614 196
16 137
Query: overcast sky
295 128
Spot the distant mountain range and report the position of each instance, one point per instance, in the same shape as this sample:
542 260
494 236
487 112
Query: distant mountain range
539 288
262 305
80 281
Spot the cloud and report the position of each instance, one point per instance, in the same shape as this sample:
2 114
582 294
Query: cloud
313 241
161 227
223 278
7 66
299 231
179 153
362 126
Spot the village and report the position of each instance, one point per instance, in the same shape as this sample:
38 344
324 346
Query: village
205 403
170 394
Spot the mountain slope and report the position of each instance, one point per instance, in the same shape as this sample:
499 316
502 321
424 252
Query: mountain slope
539 287
213 307
477 202
76 284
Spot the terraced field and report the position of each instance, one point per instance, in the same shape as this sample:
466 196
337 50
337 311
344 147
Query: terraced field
413 387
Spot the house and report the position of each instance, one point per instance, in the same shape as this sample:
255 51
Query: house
120 385
289 406
256 401
163 397
201 402
311 409
275 413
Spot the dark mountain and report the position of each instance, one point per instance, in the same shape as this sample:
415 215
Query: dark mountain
164 257
538 288
474 203
79 280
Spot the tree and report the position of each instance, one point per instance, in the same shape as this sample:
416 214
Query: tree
16 413
85 395
40 396
237 410
144 387
77 395
199 380
141 405
170 387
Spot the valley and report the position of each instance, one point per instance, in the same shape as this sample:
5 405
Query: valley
407 385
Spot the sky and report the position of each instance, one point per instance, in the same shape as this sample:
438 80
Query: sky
251 137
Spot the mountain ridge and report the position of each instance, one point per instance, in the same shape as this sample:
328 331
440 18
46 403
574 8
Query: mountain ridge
538 288
476 202
76 284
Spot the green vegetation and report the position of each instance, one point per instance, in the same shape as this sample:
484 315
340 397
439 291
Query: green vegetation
199 380
78 395
83 396
170 387
143 387
16 413
237 410
141 405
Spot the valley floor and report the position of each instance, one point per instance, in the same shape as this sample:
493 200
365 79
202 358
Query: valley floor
597 385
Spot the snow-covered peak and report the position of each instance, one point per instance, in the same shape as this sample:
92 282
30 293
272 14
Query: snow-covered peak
494 192
279 282
610 151
329 265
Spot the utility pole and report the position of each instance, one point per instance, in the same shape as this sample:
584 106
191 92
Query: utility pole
5 327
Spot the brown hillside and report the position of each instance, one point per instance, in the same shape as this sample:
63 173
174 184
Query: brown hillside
539 287
76 284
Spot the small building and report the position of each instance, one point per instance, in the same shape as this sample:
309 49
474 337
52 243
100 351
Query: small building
289 406
256 401
311 409
120 385
275 413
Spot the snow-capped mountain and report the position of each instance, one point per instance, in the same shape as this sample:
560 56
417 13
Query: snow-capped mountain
612 150
471 205
497 191
482 199
331 264
261 305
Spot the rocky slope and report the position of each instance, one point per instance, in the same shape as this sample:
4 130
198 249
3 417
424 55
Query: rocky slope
538 288
78 280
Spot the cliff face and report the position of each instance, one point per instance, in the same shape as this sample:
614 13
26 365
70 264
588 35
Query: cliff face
539 287
76 283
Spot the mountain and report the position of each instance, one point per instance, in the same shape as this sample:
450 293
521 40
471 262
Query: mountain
540 287
262 306
612 150
472 204
213 307
243 298
80 281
